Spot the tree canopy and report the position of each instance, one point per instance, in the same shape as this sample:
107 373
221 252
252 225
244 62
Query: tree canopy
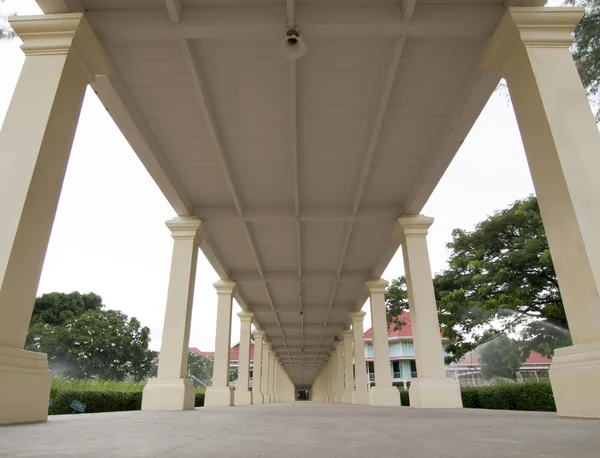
500 280
200 367
586 48
83 340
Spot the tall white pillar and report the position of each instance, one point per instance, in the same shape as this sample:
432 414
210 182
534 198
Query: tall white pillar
348 368
257 396
432 389
171 390
361 394
220 394
62 57
530 48
383 393
264 386
276 379
333 375
243 396
272 374
339 376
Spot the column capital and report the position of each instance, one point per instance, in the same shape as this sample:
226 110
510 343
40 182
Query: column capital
224 286
376 285
258 334
53 34
339 344
267 344
184 227
348 334
246 316
533 27
415 225
357 315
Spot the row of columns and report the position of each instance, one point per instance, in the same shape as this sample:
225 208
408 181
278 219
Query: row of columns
342 381
171 390
530 49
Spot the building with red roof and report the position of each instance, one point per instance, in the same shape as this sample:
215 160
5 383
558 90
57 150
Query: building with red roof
234 357
468 370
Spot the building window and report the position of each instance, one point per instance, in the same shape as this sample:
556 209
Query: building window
413 368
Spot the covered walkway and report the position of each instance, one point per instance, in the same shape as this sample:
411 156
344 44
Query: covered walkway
306 429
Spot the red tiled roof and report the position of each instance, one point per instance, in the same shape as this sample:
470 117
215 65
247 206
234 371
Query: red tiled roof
404 331
472 359
234 353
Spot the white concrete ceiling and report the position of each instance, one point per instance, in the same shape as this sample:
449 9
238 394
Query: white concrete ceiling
298 169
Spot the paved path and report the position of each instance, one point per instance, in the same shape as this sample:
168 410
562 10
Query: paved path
306 429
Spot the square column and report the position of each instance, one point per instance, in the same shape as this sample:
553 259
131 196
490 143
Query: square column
432 389
339 374
271 377
257 396
383 393
62 57
276 379
348 368
171 390
220 394
361 394
264 385
243 396
530 48
332 371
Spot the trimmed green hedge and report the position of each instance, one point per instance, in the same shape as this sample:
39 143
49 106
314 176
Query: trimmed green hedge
512 396
101 401
95 401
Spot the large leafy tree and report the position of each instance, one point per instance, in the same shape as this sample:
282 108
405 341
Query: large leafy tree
500 357
83 340
200 367
500 280
586 48
6 32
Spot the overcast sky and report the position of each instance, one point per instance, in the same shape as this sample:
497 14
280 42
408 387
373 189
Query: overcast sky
109 235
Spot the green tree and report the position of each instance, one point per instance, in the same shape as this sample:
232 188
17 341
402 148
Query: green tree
586 48
84 341
500 279
200 367
500 357
6 31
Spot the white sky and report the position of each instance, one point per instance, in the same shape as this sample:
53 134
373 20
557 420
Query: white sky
109 235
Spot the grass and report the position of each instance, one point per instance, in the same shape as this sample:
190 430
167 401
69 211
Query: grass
63 384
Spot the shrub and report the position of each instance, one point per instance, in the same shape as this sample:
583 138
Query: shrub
404 399
470 398
95 401
199 399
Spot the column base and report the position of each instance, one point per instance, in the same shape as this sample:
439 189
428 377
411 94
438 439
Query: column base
267 398
575 378
435 393
339 397
243 398
361 398
218 397
25 380
257 398
347 397
384 396
174 394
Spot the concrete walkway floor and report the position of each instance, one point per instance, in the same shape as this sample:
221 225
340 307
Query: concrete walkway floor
306 429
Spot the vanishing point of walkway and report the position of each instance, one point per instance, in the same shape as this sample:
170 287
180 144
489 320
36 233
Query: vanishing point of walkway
306 429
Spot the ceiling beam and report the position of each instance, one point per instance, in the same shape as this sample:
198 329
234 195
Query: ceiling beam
367 162
123 109
262 213
292 277
433 20
175 9
467 106
408 9
193 65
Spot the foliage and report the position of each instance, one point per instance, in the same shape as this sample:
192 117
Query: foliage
500 279
199 399
63 384
233 374
84 341
200 367
95 401
6 32
534 397
396 301
586 48
500 357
